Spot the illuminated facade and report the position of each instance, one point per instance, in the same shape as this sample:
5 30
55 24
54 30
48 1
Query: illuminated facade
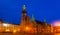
29 25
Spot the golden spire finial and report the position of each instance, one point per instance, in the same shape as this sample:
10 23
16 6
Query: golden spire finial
24 7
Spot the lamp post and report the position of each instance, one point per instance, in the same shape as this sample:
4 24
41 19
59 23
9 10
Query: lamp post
50 28
37 28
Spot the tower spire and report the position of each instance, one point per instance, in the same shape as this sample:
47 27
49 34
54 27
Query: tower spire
24 7
45 21
33 19
24 10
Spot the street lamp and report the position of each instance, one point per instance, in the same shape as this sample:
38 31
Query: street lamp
37 28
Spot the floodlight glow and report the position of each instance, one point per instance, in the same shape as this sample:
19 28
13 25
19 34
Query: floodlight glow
7 30
4 24
27 28
14 31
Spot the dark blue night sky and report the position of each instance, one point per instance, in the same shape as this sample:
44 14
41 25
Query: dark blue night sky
10 10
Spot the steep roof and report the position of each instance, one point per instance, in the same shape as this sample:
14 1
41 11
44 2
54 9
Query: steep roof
42 23
1 20
39 22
